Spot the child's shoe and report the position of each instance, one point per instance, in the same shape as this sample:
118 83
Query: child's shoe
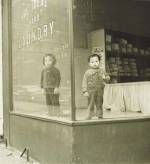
88 118
99 114
90 115
100 117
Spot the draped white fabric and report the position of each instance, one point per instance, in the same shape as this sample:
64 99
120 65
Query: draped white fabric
127 97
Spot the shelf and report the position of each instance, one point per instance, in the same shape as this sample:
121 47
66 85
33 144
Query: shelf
127 53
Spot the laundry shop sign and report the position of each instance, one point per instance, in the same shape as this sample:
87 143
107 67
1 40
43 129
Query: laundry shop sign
37 34
35 25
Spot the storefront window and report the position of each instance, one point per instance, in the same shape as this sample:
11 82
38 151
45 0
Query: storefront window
100 28
41 58
41 54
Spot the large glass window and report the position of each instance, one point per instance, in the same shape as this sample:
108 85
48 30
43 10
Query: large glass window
41 58
121 40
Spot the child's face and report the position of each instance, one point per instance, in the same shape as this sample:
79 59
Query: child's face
94 62
48 61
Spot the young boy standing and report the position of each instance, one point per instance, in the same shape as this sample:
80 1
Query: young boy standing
50 81
93 86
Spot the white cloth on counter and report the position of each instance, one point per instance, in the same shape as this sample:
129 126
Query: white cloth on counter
113 98
127 97
131 98
144 98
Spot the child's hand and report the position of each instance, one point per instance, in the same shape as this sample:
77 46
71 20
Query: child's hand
107 77
43 91
86 94
56 91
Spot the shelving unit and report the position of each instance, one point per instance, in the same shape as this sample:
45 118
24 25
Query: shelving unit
126 56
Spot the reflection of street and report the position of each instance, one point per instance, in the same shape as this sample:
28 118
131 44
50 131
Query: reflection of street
41 110
28 93
33 93
29 99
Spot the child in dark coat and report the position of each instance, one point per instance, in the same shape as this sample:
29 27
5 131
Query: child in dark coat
93 86
50 82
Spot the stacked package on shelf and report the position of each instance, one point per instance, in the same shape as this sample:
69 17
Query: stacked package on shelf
135 50
148 49
126 67
123 45
147 72
112 47
141 51
147 52
113 66
129 48
133 67
120 66
108 42
115 47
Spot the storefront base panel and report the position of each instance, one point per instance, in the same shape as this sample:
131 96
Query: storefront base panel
48 142
101 142
113 143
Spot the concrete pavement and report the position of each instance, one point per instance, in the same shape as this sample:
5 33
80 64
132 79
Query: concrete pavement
10 155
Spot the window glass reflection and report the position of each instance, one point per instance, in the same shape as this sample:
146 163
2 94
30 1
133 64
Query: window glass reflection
50 82
41 58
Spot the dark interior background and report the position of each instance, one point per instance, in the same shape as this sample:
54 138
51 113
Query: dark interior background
131 16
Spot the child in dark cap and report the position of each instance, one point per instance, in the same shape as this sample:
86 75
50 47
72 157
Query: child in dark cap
50 82
93 86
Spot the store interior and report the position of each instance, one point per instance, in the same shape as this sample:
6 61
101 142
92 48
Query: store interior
121 31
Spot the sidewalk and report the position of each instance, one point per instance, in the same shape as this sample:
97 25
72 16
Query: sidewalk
10 155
